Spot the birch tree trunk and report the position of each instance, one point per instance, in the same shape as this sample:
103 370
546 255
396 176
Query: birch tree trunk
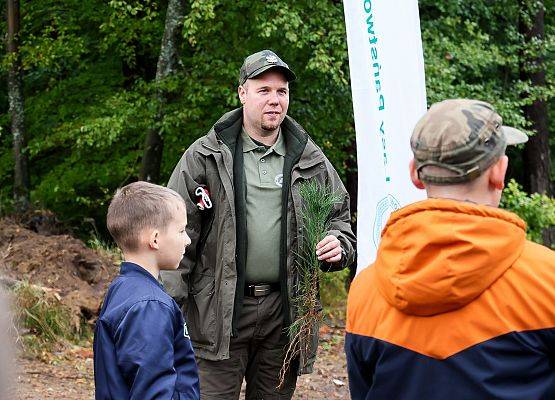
168 62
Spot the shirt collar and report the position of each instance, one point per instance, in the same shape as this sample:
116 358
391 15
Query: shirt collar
131 269
248 144
279 145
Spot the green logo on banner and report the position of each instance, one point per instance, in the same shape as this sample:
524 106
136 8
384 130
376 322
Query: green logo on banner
384 207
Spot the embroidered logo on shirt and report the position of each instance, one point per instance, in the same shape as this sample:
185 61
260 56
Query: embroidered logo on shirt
279 180
185 331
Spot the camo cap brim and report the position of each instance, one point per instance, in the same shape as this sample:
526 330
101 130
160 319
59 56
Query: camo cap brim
260 62
514 136
460 139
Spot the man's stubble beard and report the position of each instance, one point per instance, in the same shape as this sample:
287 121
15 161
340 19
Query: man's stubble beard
269 127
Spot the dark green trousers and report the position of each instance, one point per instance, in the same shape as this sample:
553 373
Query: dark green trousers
256 355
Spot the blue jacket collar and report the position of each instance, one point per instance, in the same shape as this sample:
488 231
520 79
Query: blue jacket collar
131 269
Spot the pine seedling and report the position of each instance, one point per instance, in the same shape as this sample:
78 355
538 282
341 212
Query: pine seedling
317 206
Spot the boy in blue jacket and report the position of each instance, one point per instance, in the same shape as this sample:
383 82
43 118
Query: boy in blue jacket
141 346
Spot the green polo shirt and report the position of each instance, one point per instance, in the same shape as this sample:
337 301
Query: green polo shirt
264 176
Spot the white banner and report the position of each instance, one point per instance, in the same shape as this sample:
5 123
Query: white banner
389 96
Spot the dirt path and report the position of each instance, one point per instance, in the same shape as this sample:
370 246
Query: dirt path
329 380
69 375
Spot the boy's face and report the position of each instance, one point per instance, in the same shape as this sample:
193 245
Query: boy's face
173 240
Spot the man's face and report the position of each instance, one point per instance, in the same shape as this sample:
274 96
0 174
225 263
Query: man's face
265 101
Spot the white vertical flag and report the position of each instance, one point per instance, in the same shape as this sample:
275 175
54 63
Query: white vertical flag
389 96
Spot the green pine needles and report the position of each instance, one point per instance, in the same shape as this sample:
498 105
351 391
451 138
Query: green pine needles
317 206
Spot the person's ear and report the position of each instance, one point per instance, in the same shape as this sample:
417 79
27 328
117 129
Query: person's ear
414 175
154 239
242 91
497 173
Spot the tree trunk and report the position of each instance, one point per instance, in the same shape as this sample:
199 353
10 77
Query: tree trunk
15 98
536 155
168 62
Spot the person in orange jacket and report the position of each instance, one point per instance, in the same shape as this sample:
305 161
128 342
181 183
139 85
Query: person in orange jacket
458 304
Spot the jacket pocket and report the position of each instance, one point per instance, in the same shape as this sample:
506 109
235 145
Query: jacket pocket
207 223
201 313
317 170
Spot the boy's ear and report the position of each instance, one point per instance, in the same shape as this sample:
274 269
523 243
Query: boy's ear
414 175
154 239
497 173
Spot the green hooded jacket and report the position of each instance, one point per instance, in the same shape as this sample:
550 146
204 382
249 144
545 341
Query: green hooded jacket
209 283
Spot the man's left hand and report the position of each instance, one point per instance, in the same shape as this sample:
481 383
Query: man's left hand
329 249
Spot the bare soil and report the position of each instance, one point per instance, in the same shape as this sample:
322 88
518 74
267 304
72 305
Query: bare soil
329 380
69 374
59 263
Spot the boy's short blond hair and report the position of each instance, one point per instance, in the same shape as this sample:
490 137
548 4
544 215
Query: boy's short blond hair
138 206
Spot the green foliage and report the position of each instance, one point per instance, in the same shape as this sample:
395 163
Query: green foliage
132 29
89 77
475 50
107 249
89 69
333 293
537 210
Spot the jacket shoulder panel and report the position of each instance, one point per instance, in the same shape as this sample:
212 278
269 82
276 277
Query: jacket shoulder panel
128 292
520 300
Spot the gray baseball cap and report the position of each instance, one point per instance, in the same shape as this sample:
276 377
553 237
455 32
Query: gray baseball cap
461 138
257 63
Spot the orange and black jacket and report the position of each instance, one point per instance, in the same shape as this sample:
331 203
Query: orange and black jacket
458 305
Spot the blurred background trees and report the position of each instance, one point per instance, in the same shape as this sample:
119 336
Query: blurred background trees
102 77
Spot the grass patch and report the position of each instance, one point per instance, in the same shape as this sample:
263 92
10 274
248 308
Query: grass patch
333 294
104 248
45 323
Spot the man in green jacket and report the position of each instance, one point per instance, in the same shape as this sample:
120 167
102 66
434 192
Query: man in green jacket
237 278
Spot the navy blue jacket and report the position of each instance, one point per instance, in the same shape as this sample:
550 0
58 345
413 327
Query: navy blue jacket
141 346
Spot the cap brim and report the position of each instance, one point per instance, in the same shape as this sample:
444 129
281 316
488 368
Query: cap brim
289 75
514 136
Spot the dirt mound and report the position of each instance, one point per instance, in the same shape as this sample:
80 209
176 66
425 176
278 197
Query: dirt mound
78 274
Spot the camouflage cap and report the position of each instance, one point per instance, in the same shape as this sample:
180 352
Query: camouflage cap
458 139
257 63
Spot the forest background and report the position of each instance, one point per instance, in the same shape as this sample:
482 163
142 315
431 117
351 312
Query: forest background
95 94
107 92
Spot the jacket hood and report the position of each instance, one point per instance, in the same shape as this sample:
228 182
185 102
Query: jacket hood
438 255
